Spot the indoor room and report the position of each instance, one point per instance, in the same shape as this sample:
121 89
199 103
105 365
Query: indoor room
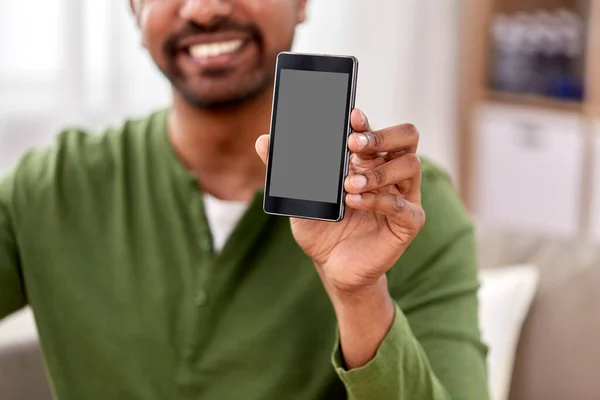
505 95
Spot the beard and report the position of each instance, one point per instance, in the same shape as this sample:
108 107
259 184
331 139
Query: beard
243 92
219 88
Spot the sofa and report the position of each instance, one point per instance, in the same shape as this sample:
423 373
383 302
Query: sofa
558 351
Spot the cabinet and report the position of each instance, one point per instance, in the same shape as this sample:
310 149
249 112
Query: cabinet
526 160
529 169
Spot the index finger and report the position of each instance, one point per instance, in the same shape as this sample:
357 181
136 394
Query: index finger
399 138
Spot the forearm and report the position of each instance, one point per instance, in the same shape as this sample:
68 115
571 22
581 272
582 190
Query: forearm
378 355
364 320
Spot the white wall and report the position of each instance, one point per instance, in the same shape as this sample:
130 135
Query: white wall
407 51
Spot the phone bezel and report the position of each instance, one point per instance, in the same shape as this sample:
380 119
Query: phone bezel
289 207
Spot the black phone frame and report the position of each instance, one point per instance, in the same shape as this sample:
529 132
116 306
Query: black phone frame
298 208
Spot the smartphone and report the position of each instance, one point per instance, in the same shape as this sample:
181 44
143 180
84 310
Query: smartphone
310 124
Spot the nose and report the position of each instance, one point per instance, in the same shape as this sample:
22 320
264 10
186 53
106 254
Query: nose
206 12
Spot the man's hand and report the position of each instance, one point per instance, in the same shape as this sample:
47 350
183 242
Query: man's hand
383 216
384 211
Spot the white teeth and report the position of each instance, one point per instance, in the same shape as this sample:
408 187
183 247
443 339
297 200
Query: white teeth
215 49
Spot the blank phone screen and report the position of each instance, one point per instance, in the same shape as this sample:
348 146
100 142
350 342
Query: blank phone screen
308 140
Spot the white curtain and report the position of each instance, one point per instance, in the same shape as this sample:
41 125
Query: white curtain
70 63
80 62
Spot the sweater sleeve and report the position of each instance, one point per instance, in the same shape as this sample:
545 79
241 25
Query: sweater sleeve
433 350
400 369
12 294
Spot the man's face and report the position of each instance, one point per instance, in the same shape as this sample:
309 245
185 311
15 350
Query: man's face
218 53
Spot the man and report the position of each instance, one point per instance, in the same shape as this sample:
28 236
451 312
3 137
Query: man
154 274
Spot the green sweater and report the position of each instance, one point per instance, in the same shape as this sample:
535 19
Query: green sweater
105 237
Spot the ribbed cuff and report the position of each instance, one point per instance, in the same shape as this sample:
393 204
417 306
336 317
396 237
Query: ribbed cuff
378 379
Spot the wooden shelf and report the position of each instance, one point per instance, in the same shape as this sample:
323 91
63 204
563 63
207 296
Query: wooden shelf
513 6
476 60
527 100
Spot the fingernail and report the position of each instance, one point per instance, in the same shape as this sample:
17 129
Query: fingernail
362 140
358 181
355 198
363 118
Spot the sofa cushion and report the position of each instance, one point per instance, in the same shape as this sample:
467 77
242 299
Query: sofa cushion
558 355
22 373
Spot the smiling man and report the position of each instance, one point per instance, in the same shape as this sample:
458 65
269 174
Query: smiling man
154 274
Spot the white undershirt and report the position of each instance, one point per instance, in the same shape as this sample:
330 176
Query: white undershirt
222 217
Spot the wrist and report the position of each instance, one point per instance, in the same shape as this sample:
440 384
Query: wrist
373 299
357 295
364 317
349 286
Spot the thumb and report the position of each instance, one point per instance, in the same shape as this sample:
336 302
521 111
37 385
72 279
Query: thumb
262 147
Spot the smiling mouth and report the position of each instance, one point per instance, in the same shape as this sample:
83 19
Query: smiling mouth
203 51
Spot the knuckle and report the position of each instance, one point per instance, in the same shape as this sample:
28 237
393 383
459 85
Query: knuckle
411 131
377 139
375 201
378 177
413 164
398 204
420 216
420 213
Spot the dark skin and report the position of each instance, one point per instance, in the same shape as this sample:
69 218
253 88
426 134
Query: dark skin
222 105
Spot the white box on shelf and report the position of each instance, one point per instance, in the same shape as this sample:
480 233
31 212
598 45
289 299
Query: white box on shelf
529 168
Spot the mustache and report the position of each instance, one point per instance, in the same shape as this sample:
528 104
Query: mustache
191 29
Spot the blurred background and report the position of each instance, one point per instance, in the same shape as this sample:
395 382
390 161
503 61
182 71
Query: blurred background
89 68
506 94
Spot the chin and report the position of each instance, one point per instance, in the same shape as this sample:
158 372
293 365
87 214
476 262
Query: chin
216 99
